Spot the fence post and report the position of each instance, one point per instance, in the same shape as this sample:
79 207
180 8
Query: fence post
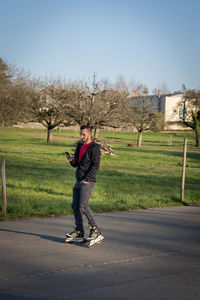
3 184
170 140
183 169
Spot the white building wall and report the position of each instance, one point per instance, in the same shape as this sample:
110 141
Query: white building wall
172 106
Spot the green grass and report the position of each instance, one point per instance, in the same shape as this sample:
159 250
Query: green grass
40 181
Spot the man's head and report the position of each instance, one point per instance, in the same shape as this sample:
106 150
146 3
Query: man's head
86 134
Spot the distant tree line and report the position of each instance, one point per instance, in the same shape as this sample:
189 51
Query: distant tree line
97 103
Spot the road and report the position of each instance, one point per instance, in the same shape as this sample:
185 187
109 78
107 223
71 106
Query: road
146 254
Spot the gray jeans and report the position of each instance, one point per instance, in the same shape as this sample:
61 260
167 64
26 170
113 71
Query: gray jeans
81 196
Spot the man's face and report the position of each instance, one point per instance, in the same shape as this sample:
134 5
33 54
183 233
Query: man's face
85 136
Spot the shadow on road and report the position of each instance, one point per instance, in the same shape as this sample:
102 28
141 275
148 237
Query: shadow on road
42 236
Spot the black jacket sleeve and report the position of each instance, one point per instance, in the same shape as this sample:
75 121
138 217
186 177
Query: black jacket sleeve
74 162
94 164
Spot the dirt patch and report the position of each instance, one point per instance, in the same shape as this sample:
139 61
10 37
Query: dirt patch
43 135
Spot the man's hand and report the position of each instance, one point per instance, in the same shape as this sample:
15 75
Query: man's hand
69 157
84 182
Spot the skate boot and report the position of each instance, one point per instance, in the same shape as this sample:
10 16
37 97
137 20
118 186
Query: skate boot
75 236
95 236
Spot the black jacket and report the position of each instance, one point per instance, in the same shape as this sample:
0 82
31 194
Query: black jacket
89 164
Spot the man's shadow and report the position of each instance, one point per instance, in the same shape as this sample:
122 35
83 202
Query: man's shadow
42 236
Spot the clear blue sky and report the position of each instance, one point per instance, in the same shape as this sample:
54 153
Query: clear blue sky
149 41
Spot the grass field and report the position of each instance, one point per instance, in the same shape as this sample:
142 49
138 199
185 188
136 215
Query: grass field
40 181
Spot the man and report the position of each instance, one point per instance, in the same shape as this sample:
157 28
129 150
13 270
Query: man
86 160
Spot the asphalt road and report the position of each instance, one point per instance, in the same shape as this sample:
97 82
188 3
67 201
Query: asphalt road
146 254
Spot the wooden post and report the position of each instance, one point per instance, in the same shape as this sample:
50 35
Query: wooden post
170 140
3 184
183 169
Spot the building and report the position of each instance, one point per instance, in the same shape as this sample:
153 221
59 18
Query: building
170 105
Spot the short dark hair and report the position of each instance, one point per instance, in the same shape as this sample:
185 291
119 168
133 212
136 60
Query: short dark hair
86 127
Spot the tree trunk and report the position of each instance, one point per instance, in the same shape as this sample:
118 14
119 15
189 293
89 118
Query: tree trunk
95 133
197 133
49 135
139 141
197 137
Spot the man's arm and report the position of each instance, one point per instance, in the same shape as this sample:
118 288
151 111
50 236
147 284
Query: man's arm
74 160
71 159
94 166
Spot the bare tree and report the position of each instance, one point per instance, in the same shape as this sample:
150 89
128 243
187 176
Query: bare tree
140 113
14 93
5 94
161 89
122 86
95 104
189 112
50 106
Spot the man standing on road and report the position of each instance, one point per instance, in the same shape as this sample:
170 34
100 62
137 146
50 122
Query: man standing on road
86 159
